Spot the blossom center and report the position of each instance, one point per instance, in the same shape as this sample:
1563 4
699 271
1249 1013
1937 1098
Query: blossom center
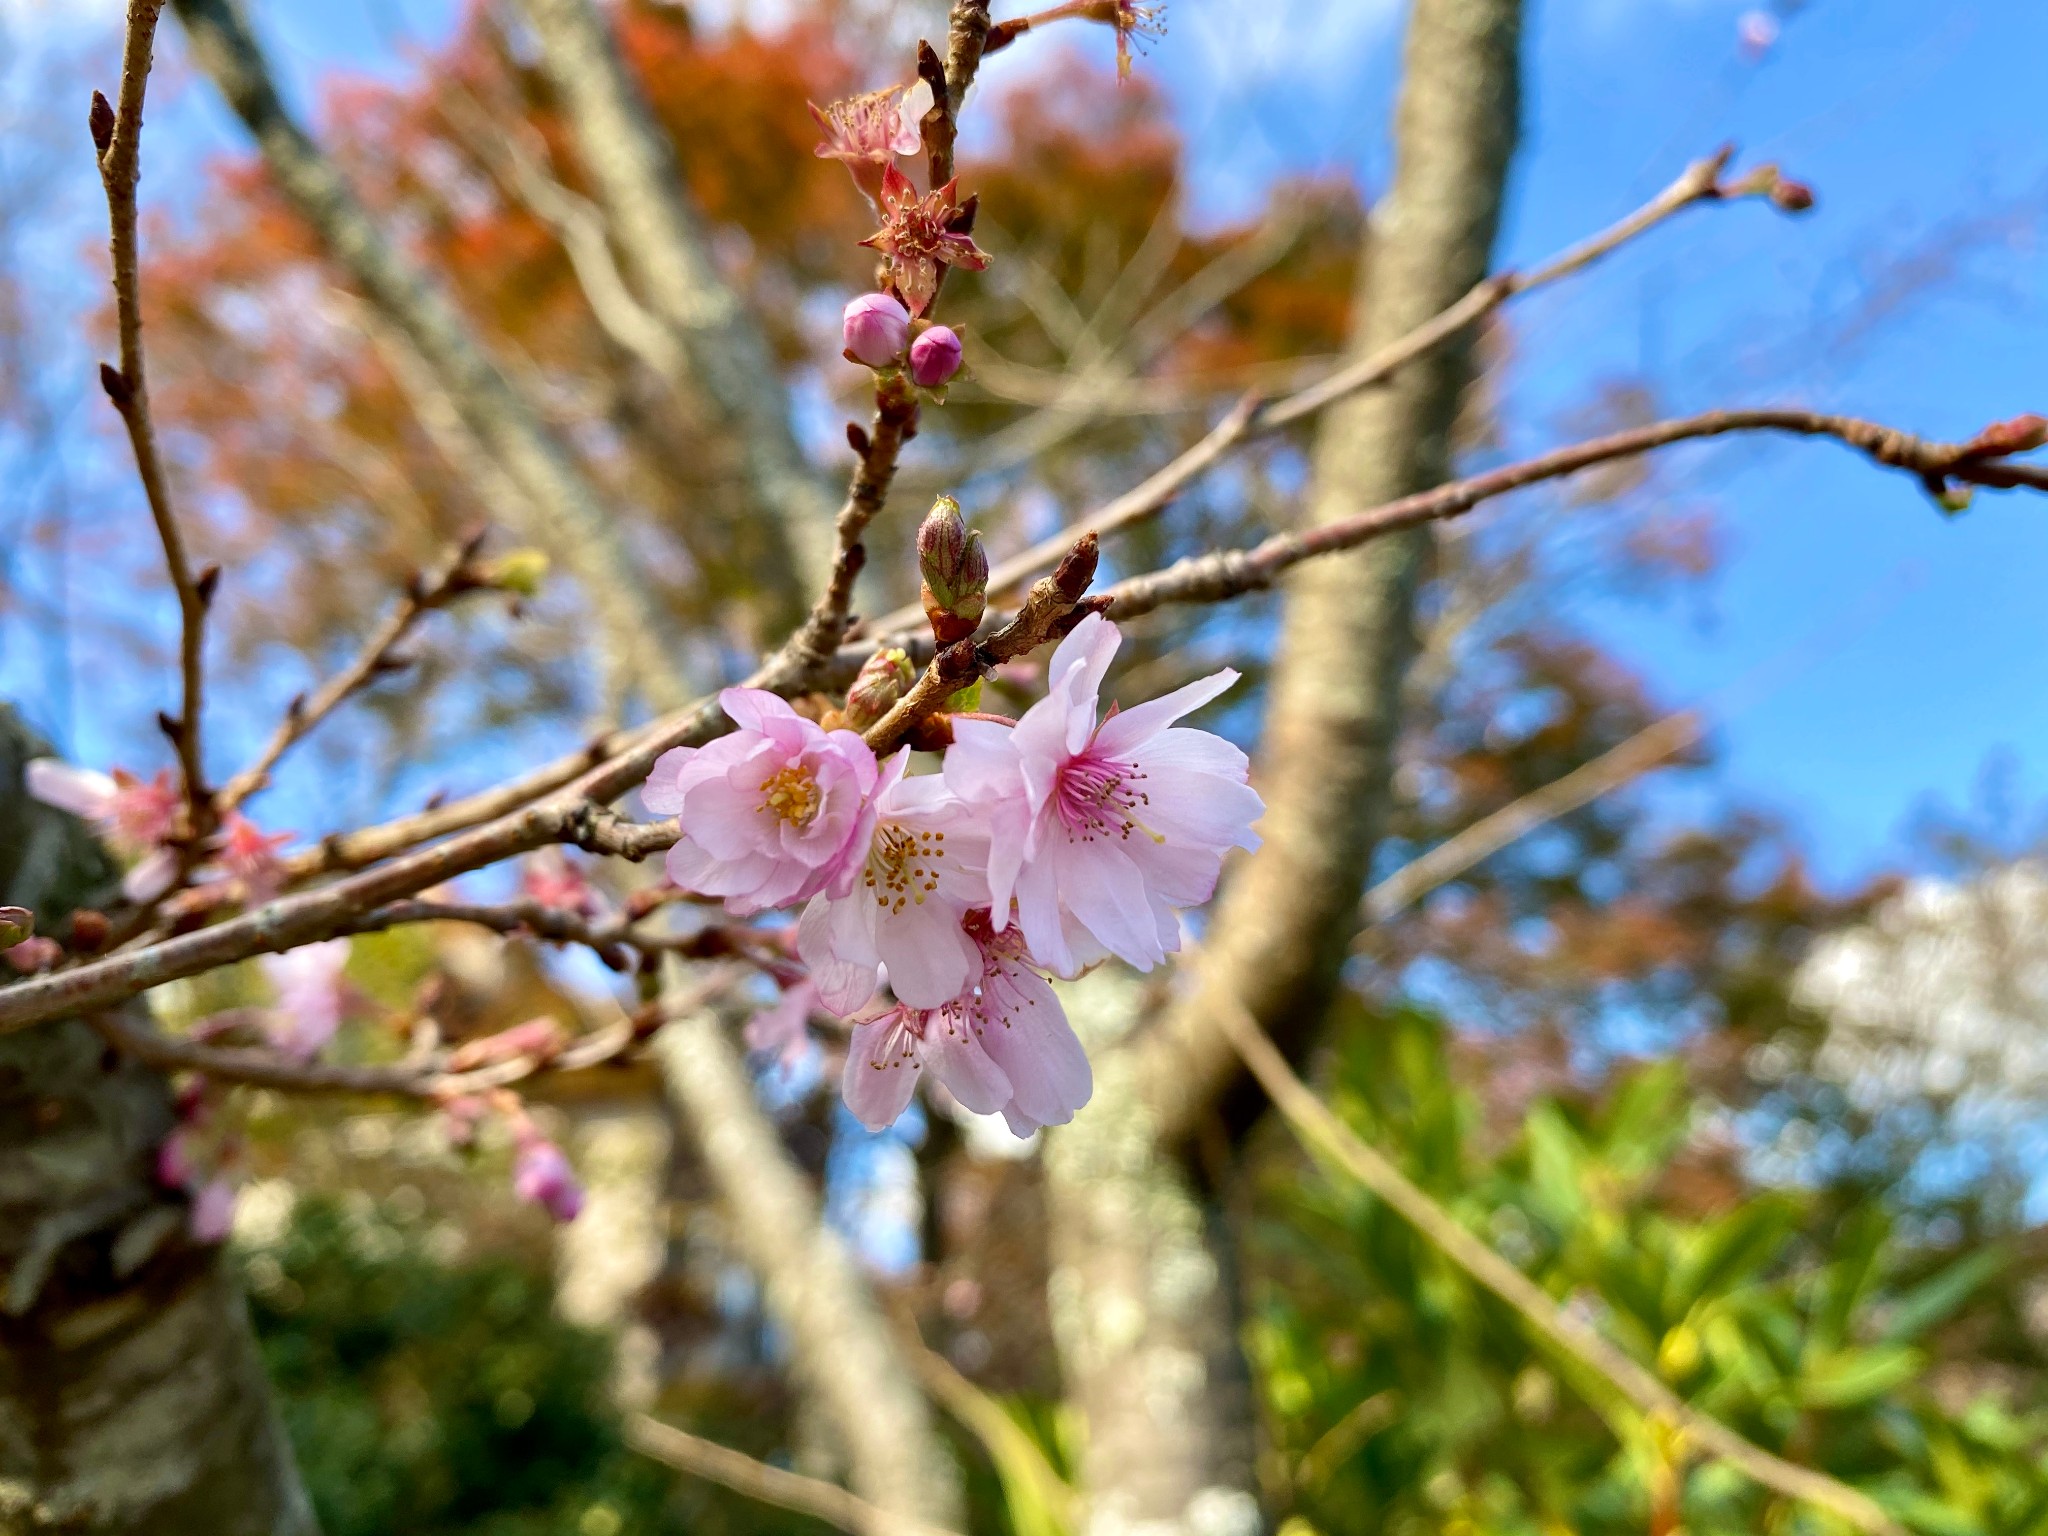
903 866
1099 798
792 794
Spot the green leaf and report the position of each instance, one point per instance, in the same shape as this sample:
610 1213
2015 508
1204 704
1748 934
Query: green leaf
1853 1377
1934 1300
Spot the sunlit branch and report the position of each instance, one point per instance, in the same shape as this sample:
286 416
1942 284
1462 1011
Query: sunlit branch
117 136
1252 417
424 594
767 1484
1321 1131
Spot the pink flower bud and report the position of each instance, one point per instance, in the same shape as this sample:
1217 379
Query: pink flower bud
935 357
542 1176
876 326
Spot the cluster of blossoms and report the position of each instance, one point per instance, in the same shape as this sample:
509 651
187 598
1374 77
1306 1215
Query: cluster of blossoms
936 906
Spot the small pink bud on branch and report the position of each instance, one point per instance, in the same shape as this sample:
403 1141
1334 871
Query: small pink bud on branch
876 327
935 357
883 679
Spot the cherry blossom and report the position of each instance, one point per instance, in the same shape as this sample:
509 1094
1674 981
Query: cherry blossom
249 854
553 879
782 1028
875 328
868 132
136 816
541 1175
771 814
1003 1045
1103 831
923 868
310 996
918 238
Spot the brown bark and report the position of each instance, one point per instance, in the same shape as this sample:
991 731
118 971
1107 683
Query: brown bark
568 515
132 1398
1285 922
842 1352
1142 1284
661 235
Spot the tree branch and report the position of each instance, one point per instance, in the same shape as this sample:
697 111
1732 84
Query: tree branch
1321 1131
767 1484
572 520
1253 417
1229 573
457 578
117 136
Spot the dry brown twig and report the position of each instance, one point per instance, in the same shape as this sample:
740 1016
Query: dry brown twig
457 577
1253 417
767 1484
575 814
117 140
1319 1129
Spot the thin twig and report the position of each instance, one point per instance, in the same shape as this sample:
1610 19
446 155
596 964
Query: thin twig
1655 743
1223 574
457 577
1051 609
766 1484
1321 1131
575 813
1253 417
117 136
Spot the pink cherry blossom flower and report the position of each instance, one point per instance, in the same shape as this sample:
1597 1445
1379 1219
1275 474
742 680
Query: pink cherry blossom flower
918 238
541 1175
1103 831
249 854
782 1028
875 327
1003 1045
174 1168
213 1210
1756 32
553 879
135 815
923 868
935 357
868 132
310 996
771 814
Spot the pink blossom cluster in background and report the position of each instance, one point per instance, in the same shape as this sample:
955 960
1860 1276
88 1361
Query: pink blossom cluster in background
1043 846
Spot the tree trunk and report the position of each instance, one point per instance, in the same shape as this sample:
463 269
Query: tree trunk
132 1398
661 235
842 1352
1286 921
573 522
1143 1306
1168 1427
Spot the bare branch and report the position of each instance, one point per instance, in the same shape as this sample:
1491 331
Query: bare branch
767 1484
1252 418
1321 1131
457 578
117 135
1229 573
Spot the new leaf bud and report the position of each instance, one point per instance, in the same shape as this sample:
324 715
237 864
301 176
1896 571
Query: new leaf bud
954 567
518 571
16 924
884 678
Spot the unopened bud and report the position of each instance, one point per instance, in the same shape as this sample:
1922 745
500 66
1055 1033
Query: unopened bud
2022 434
89 929
16 924
1790 196
935 357
955 571
883 679
875 327
519 571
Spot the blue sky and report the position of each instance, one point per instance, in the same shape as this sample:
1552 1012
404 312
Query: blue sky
1913 294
